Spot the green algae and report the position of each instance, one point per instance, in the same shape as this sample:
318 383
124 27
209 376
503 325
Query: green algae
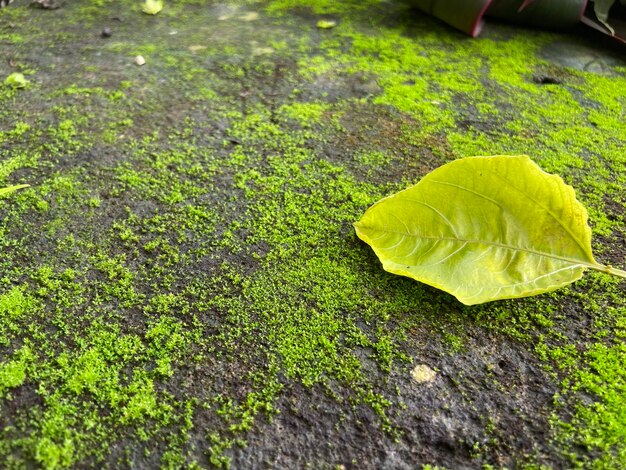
230 251
562 147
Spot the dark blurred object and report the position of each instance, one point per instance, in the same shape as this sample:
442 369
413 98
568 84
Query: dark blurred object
47 4
606 16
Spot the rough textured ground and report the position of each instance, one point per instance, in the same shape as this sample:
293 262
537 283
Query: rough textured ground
181 285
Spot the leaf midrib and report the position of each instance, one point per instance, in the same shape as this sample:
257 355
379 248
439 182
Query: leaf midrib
547 209
499 245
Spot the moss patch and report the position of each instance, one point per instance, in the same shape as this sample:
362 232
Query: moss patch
182 278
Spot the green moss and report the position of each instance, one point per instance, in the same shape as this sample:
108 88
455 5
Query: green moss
53 455
12 163
307 114
13 372
321 7
14 304
536 121
185 254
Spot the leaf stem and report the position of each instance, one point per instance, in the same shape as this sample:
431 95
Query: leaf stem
610 270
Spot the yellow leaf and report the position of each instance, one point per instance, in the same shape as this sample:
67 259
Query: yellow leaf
326 24
16 80
152 7
484 228
10 189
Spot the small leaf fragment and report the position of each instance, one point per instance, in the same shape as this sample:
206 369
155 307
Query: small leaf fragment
16 80
10 189
326 24
196 47
152 7
483 229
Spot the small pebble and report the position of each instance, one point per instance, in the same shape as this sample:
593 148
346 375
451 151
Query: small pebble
106 32
139 60
423 374
250 16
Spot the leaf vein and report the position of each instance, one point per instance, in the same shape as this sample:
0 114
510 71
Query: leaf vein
438 212
500 245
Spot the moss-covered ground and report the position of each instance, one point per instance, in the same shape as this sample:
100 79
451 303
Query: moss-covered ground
181 285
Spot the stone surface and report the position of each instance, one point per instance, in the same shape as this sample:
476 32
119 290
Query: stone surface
181 284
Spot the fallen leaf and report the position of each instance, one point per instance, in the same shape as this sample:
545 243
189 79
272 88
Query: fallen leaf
16 80
483 229
10 189
152 7
326 24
